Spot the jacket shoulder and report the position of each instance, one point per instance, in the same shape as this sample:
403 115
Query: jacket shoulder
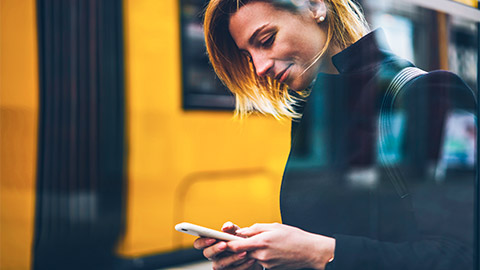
441 84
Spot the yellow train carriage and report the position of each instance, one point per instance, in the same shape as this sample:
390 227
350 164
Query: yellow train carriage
197 165
18 131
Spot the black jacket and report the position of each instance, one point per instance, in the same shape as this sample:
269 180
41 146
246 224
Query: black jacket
406 212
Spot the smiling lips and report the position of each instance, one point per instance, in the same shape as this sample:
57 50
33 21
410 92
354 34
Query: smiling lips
282 76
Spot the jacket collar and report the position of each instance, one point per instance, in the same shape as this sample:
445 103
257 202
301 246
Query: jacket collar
363 54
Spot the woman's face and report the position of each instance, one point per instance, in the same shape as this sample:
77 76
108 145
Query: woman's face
281 44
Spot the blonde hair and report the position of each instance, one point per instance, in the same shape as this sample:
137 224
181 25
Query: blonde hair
346 24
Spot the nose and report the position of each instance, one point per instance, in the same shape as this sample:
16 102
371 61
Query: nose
263 65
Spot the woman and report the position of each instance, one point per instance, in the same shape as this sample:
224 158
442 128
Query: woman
277 56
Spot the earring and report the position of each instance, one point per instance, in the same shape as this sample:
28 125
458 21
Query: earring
321 19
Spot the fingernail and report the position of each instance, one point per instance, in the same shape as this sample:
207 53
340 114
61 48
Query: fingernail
210 241
242 255
227 224
222 245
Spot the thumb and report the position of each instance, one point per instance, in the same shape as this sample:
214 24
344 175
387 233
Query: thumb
247 244
254 229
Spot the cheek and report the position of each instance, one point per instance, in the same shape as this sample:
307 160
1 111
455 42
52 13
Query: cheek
291 49
310 41
304 48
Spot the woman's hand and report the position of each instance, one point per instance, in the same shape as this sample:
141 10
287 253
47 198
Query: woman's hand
277 246
216 251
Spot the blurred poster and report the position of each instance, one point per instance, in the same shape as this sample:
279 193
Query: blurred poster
459 143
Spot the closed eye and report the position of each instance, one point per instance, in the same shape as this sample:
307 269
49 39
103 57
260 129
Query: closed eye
269 41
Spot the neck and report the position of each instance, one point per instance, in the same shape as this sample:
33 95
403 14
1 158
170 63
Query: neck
326 64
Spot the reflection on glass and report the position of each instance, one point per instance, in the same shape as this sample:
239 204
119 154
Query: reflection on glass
459 145
399 32
398 200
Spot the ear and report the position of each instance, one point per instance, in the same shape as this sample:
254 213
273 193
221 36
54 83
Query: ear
318 10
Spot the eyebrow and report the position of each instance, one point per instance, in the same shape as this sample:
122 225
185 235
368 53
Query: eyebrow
254 35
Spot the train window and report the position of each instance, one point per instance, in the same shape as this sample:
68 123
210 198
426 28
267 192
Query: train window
201 87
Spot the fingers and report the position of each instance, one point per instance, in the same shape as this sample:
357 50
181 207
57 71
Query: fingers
234 261
248 244
255 238
213 251
201 243
222 259
243 266
255 229
229 227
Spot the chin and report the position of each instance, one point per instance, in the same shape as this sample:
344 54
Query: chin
302 82
298 86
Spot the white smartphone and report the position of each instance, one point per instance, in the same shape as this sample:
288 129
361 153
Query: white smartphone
200 231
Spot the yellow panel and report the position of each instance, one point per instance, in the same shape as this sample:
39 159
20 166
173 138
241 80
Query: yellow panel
167 146
18 125
243 197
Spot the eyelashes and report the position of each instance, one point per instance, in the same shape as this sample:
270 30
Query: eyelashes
269 41
265 43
